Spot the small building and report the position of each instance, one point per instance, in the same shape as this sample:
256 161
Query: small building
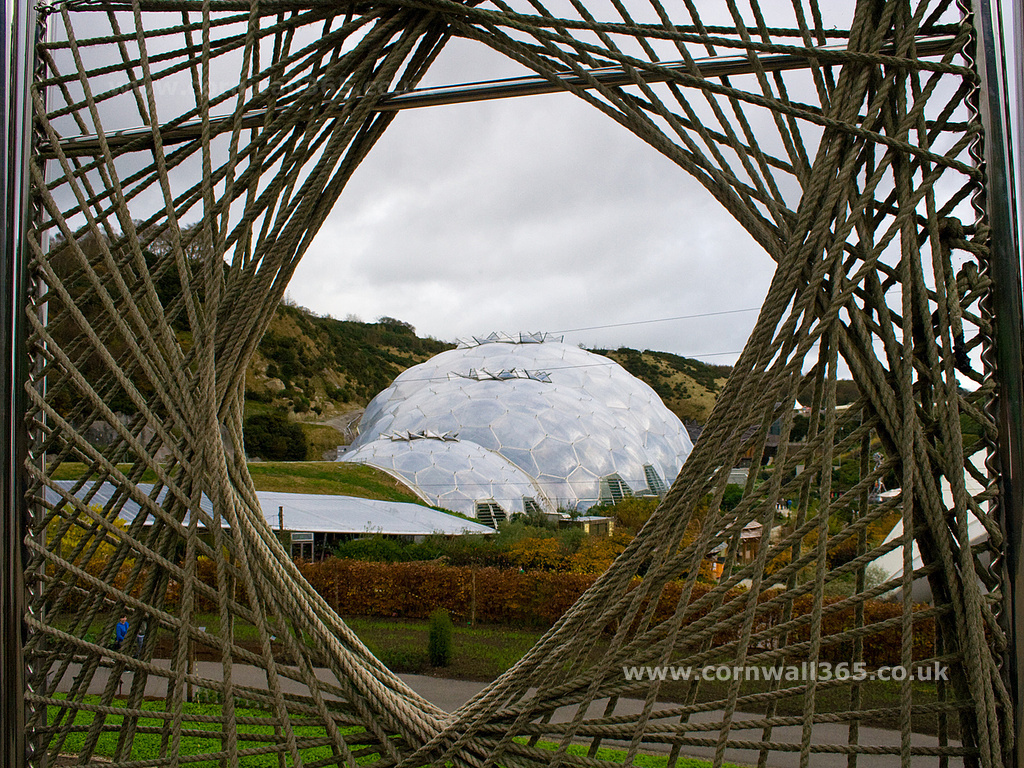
592 525
750 538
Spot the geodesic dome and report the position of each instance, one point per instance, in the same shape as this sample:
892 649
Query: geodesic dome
454 474
577 424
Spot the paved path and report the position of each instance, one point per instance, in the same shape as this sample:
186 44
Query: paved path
451 694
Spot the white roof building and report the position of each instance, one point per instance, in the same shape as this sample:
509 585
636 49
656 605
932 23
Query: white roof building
313 513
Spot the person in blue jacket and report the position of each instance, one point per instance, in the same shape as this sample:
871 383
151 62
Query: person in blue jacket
121 631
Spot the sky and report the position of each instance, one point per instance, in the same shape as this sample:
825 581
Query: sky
534 214
531 214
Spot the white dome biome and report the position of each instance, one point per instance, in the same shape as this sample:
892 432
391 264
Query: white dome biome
457 475
578 425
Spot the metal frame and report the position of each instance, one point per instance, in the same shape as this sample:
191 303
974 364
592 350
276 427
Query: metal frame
489 90
16 71
1003 212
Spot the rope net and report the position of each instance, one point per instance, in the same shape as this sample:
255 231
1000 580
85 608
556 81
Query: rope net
187 154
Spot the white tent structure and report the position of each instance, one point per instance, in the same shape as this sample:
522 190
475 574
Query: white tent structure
890 565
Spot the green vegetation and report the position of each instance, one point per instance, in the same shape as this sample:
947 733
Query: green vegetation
324 364
147 746
519 543
847 391
272 437
440 647
72 470
479 653
688 387
459 550
320 438
630 514
328 477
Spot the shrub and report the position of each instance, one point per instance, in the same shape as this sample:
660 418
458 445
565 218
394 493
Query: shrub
534 554
632 512
596 553
82 536
259 395
273 438
440 643
520 528
733 496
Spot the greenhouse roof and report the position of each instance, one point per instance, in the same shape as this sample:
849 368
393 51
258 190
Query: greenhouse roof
521 421
314 512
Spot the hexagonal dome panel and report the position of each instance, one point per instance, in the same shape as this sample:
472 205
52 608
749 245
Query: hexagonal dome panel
453 474
564 417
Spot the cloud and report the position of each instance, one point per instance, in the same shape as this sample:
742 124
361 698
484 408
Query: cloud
537 213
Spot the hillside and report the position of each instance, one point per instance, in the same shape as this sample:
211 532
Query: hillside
323 371
316 367
688 387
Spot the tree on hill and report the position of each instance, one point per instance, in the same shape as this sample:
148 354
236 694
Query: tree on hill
396 325
273 438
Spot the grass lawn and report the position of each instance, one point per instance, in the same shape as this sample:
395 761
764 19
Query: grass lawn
329 477
147 744
481 652
326 477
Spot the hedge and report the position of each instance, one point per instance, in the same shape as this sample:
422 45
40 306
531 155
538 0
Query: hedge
514 597
414 590
539 598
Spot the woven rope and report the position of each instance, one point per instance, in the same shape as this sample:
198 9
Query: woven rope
158 261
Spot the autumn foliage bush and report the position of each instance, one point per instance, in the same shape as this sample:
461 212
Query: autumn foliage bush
414 590
538 598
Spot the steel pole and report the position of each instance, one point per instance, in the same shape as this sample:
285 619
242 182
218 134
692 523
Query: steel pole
488 90
17 63
1001 208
